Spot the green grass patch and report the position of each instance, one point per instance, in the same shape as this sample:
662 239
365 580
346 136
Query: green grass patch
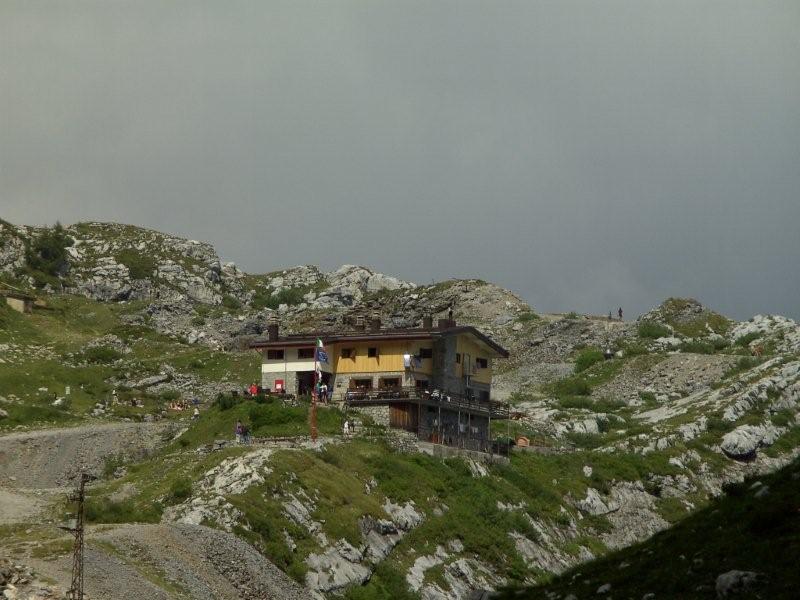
737 531
588 357
527 317
103 510
140 265
653 330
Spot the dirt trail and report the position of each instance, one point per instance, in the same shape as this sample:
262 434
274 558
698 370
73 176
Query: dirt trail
53 457
17 506
162 562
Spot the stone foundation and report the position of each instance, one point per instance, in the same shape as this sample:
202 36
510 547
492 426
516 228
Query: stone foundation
379 414
289 381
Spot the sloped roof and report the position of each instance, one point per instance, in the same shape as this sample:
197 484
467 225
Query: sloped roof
310 338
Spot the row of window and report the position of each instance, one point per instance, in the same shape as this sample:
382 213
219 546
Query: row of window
372 352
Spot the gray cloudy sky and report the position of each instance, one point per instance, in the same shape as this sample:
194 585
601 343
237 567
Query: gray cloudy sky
584 154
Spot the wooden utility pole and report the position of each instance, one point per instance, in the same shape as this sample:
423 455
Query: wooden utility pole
75 591
313 417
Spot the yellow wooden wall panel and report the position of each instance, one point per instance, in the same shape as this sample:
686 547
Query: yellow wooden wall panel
390 357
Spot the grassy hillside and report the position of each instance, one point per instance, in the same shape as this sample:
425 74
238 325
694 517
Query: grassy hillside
55 348
754 527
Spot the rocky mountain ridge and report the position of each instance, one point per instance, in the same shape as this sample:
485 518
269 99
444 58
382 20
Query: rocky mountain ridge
634 424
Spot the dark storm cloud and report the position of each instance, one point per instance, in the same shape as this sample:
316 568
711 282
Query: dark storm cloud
584 154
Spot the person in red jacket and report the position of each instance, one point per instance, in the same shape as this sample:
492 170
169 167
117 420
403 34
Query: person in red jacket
253 390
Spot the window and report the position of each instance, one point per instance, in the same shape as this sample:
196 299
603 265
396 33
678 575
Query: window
482 363
348 352
361 384
305 353
372 352
458 358
274 354
425 353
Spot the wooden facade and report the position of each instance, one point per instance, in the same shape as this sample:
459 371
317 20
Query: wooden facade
404 416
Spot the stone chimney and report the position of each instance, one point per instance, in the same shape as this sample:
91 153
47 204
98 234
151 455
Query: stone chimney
375 323
448 322
272 329
427 322
360 326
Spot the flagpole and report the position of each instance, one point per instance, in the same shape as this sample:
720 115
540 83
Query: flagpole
313 414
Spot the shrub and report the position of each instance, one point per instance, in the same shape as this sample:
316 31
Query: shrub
226 402
649 398
263 298
180 490
140 266
697 347
576 402
782 418
526 317
572 386
230 302
745 340
386 582
745 363
48 253
588 441
653 330
103 510
632 349
586 358
101 355
572 315
112 463
719 343
170 395
718 425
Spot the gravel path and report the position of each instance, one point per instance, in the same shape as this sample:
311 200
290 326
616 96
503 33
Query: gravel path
163 562
53 457
19 505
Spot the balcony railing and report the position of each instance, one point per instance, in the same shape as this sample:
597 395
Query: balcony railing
436 398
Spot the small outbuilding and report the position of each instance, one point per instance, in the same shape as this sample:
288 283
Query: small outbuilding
17 301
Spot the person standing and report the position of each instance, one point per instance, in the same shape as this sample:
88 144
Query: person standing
619 312
238 432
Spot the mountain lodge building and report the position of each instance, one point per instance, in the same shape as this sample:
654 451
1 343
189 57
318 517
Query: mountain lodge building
434 380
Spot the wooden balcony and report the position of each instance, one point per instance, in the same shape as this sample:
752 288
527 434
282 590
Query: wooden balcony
424 397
